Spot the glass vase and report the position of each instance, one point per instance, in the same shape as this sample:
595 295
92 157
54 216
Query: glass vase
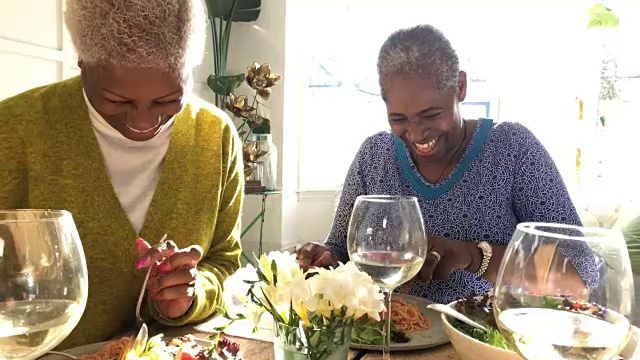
299 343
268 162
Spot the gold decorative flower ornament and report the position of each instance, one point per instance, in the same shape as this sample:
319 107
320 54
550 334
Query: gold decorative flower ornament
260 78
239 106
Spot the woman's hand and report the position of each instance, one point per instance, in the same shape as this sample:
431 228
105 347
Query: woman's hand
446 255
173 277
315 255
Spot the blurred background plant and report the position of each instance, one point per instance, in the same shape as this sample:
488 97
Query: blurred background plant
245 111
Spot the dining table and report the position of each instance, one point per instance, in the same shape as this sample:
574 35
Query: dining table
253 349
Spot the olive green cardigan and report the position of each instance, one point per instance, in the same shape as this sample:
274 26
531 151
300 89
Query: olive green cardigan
50 158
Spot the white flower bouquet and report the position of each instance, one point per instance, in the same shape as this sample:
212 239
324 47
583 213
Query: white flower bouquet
313 312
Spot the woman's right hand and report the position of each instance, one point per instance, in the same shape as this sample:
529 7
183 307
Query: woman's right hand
315 255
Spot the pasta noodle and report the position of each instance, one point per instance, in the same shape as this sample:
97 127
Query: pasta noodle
407 317
115 350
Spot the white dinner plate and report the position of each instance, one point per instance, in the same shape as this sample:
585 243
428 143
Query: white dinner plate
94 348
78 351
435 336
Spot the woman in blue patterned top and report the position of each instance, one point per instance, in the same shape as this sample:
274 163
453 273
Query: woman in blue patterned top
475 180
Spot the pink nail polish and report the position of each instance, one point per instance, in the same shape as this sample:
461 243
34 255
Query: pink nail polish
139 241
143 263
164 267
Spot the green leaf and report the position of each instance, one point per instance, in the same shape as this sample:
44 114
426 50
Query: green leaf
274 270
220 310
602 16
262 277
224 84
276 317
245 11
262 128
214 338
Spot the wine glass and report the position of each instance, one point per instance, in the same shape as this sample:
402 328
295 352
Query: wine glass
386 239
565 292
43 281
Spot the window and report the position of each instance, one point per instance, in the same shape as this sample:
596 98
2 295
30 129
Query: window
320 76
35 48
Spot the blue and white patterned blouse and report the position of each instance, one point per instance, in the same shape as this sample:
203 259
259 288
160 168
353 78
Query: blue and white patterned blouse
505 177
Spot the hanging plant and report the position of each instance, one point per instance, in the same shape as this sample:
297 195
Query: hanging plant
601 16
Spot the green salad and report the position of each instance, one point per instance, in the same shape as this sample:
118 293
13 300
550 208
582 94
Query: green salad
492 337
481 311
372 333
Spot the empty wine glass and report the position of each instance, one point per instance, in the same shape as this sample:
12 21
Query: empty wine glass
386 239
565 292
43 281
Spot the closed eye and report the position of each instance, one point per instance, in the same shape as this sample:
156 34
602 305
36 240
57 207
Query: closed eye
168 102
430 116
398 119
119 102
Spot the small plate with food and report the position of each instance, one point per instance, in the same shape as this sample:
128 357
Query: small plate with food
157 348
413 327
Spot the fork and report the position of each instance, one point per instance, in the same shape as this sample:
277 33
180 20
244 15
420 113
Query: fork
143 334
139 319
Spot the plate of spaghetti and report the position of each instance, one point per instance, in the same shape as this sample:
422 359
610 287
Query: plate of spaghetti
413 327
157 348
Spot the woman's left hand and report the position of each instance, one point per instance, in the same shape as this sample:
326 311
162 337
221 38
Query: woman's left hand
173 277
446 255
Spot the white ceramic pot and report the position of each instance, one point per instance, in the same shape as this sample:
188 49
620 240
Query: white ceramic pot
469 348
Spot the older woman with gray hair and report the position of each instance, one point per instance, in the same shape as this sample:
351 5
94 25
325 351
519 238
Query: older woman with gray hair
128 151
475 180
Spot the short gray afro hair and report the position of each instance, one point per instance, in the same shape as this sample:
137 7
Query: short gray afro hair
161 34
418 50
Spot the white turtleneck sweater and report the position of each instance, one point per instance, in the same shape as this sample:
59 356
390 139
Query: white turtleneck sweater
134 166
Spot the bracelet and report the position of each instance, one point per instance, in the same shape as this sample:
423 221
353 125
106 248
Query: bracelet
487 251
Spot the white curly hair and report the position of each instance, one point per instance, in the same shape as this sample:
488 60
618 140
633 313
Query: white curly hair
423 50
161 34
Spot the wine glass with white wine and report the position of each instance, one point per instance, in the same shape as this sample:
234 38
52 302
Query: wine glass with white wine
386 239
43 281
565 292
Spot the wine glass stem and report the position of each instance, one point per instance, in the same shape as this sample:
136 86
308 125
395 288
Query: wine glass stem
386 342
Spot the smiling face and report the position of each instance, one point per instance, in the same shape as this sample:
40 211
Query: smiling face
427 120
135 101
